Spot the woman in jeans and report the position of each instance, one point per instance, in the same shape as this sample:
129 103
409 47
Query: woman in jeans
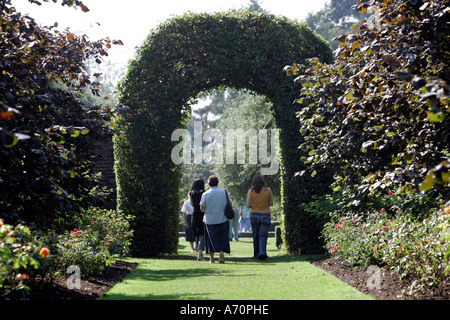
259 199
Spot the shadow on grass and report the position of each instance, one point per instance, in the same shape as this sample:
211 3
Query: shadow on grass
154 276
172 274
273 260
175 296
146 273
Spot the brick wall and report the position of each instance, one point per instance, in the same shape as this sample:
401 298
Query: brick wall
105 165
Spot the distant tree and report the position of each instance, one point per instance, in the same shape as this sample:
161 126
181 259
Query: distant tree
218 102
337 17
255 6
231 109
245 111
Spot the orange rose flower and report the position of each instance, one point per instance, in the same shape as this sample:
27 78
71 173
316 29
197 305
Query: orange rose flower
44 252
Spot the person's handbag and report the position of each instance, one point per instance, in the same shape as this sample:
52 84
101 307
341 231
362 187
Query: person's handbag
229 212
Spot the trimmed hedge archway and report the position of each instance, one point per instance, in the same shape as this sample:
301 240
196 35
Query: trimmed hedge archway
182 58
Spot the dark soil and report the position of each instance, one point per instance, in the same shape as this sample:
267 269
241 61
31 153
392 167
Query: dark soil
90 289
391 287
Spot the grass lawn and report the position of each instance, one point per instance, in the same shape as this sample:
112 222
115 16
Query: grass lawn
182 277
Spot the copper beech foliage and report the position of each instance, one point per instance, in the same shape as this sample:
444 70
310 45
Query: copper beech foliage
379 115
47 135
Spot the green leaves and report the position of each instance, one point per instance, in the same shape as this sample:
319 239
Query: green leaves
436 94
392 61
439 174
436 115
18 252
415 249
72 131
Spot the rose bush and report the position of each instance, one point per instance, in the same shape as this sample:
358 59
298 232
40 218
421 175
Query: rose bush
28 255
18 254
81 248
417 249
102 235
109 226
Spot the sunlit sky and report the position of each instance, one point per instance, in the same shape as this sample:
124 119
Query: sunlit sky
132 20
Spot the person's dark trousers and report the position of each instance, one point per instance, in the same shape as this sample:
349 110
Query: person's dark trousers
260 226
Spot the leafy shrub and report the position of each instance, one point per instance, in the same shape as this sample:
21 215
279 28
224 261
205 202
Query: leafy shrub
109 226
381 110
415 205
445 226
82 249
102 235
354 237
418 251
48 264
33 255
344 203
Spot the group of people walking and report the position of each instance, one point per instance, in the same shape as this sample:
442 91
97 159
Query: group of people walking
207 225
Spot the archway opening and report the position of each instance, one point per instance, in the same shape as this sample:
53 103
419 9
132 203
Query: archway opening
237 128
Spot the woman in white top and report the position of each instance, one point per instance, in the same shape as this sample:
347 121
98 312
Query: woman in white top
187 211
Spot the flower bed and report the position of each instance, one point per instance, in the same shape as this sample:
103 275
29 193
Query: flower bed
415 249
28 255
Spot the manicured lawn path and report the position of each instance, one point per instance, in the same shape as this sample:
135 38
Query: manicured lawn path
182 277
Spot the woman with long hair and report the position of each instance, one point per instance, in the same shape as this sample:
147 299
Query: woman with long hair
259 200
195 195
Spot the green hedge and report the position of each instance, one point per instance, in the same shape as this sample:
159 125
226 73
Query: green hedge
182 58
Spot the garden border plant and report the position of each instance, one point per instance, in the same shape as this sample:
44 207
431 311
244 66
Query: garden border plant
418 250
36 256
378 118
49 141
182 58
